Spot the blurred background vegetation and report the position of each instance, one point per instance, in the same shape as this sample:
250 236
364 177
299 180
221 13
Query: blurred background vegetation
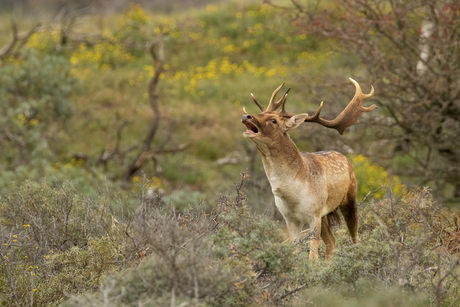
120 121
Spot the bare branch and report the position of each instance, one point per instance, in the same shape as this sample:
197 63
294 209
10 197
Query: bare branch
17 42
153 96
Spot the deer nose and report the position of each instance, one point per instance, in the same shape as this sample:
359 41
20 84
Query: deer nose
246 117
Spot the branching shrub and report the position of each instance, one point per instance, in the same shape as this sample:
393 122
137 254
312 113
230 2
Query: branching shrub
55 217
230 257
406 244
54 243
34 106
180 266
78 269
59 244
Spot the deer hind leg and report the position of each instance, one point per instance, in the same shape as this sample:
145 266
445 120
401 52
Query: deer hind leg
350 214
328 237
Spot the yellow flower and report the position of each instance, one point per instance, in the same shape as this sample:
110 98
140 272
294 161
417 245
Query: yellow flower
22 118
211 8
33 122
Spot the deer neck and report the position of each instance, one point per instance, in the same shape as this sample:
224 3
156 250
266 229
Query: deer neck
282 161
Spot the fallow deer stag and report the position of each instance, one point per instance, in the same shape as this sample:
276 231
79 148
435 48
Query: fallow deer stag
308 187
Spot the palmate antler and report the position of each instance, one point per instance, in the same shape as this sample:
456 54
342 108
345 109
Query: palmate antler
348 117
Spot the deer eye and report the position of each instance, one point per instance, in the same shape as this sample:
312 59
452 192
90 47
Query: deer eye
273 121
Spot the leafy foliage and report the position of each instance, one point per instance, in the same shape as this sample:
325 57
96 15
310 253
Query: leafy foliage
52 236
234 257
373 179
35 105
409 51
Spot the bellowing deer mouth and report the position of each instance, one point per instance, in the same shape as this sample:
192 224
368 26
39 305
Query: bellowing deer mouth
251 128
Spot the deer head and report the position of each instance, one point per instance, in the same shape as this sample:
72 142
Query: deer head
267 126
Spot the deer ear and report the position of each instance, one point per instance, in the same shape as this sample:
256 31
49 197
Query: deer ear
295 121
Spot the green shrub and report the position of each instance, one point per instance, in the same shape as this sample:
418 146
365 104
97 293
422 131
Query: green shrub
373 179
370 294
233 257
79 269
55 242
405 247
34 106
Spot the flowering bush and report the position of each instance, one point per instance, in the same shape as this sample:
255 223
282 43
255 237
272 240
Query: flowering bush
34 102
373 179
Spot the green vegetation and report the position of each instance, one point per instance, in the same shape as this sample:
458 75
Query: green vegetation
77 230
61 244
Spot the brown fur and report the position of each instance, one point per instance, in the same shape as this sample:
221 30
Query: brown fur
334 218
308 187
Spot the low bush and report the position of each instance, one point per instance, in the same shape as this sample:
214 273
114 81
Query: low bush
59 244
55 242
406 257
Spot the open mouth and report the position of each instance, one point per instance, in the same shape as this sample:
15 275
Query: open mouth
251 128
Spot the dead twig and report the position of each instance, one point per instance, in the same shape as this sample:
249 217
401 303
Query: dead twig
158 66
9 277
17 42
291 292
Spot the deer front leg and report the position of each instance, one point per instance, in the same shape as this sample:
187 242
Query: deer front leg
293 228
315 228
292 224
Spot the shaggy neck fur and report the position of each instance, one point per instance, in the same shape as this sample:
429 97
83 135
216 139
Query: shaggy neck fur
278 157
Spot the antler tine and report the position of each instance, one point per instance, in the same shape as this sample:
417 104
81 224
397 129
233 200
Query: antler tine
359 92
272 106
350 115
316 116
244 111
282 102
257 103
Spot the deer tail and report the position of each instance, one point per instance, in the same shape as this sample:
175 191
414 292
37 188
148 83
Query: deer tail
334 218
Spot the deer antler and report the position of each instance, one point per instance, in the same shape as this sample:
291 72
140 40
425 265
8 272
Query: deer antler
272 105
257 103
349 116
